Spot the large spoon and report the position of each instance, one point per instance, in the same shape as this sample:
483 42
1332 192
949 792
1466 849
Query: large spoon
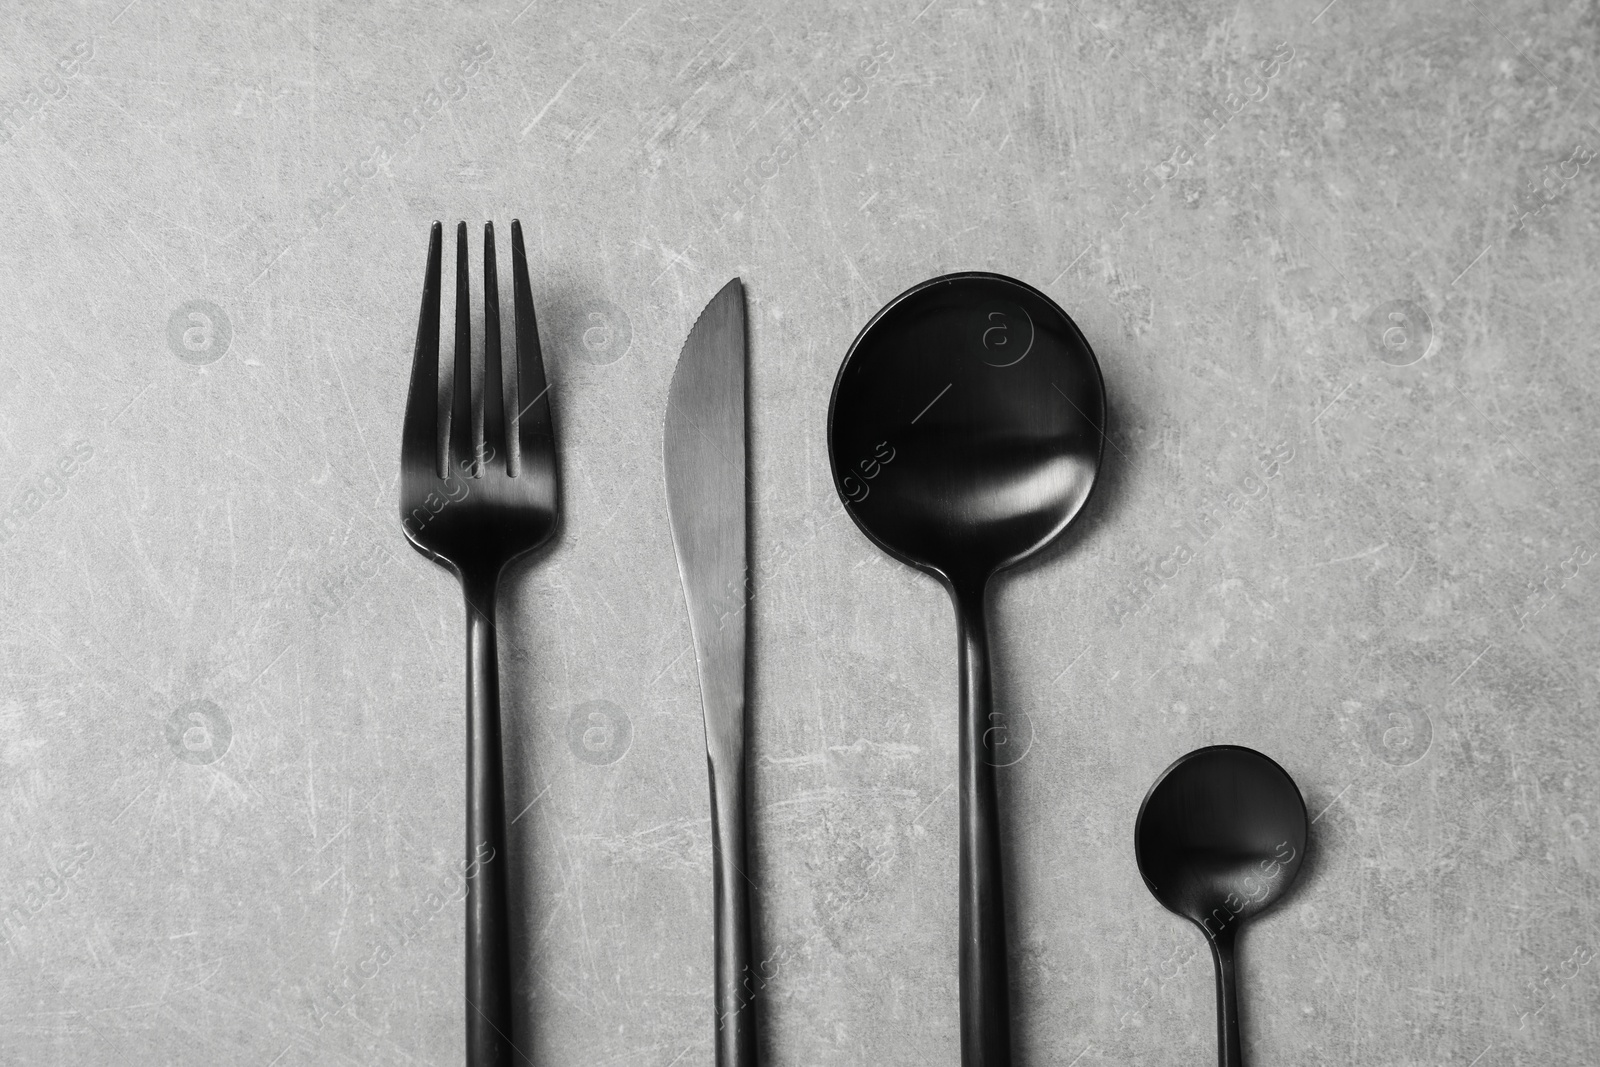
965 434
1220 838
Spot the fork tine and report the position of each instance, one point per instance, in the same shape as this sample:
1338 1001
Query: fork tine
494 405
533 400
463 442
419 434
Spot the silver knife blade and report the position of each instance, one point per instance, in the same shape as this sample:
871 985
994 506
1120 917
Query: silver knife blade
704 450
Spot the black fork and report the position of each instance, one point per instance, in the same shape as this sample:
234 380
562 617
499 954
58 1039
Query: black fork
473 507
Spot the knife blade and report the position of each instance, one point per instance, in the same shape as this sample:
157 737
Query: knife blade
704 448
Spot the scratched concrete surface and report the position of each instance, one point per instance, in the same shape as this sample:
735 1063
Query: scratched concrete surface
1338 263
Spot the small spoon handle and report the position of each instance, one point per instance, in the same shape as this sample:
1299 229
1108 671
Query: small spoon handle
985 1007
1228 1051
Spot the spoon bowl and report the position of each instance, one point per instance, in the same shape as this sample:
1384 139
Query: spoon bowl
964 436
1219 839
965 428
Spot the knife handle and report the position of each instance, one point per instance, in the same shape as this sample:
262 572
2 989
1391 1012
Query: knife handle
488 985
985 1000
737 981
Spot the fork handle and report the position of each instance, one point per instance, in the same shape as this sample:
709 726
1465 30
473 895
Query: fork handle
488 985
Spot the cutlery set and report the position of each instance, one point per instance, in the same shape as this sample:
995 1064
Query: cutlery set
965 433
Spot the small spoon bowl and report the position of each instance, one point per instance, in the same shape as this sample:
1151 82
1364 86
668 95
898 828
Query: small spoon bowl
1219 839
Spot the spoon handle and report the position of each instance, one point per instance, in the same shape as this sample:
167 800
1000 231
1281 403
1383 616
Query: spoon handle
1228 1051
985 1009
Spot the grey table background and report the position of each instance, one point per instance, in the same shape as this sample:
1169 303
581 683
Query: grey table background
230 708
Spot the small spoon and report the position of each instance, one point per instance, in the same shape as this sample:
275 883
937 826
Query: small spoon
1220 838
965 435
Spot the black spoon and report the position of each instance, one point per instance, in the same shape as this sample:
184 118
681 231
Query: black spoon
1220 838
965 435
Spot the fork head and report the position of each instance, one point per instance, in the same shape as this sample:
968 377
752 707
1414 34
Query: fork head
488 494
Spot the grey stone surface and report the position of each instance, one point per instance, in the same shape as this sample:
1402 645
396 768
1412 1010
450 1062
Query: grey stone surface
1348 517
